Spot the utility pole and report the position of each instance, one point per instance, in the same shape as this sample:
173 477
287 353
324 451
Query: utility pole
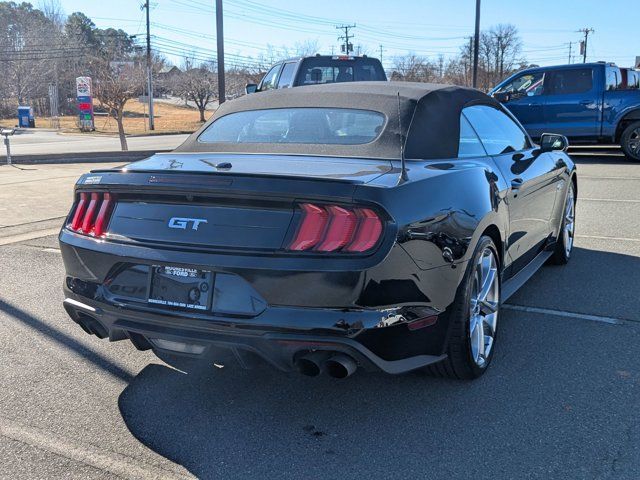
500 57
220 52
347 46
476 45
583 44
468 68
570 44
149 70
381 50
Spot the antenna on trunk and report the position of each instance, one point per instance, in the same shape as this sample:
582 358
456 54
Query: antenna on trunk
403 166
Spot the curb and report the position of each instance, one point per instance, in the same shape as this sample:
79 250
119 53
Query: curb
88 157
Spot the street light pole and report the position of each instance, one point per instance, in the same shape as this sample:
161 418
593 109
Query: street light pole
220 52
476 45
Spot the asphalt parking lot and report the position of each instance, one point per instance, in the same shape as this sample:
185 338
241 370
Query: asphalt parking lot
561 400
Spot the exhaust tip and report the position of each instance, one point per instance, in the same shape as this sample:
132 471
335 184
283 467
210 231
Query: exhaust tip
340 366
311 364
308 367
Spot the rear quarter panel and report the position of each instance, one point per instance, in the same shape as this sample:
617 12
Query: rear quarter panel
443 209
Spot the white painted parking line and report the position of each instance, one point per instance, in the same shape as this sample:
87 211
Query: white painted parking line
602 237
100 458
28 236
563 313
607 200
598 177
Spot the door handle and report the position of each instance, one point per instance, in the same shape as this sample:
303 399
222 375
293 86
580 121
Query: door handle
516 183
585 102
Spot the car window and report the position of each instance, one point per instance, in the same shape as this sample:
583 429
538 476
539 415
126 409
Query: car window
335 126
326 74
269 80
565 82
316 70
614 78
497 131
529 84
469 145
286 77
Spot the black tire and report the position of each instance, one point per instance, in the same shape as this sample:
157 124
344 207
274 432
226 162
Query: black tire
459 363
630 141
562 254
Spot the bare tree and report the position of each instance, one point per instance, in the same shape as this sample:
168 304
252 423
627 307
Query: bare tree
115 84
238 78
299 49
52 9
508 47
500 48
306 48
200 85
413 68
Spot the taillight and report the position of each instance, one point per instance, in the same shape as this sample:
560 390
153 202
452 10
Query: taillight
333 228
342 224
92 213
104 214
369 231
312 226
81 208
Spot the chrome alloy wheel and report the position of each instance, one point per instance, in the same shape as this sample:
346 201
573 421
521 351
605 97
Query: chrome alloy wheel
633 142
569 224
485 299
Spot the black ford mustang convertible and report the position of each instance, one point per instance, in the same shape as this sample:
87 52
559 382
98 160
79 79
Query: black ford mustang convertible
323 229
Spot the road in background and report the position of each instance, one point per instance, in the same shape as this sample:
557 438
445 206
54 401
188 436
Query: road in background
42 142
561 399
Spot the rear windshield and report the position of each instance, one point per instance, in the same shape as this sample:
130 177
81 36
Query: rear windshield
329 126
318 70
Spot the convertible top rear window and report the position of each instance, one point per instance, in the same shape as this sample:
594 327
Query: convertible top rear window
323 126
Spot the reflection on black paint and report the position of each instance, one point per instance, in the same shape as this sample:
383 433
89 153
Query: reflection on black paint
392 291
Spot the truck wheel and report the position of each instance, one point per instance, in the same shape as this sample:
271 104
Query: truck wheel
630 141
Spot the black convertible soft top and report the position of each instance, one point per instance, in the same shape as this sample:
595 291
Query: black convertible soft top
425 117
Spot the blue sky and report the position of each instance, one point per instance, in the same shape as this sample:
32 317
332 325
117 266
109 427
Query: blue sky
424 27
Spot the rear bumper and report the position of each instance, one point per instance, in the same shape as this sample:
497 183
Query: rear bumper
374 314
277 346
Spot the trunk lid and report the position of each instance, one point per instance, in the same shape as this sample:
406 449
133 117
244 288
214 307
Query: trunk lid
352 170
224 201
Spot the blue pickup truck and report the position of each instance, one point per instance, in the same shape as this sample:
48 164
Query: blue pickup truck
587 102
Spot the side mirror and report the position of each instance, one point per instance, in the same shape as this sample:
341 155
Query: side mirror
251 88
552 141
502 97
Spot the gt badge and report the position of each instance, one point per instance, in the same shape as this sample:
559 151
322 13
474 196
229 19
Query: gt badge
182 223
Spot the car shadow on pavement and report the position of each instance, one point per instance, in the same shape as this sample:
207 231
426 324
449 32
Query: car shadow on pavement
553 384
64 340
